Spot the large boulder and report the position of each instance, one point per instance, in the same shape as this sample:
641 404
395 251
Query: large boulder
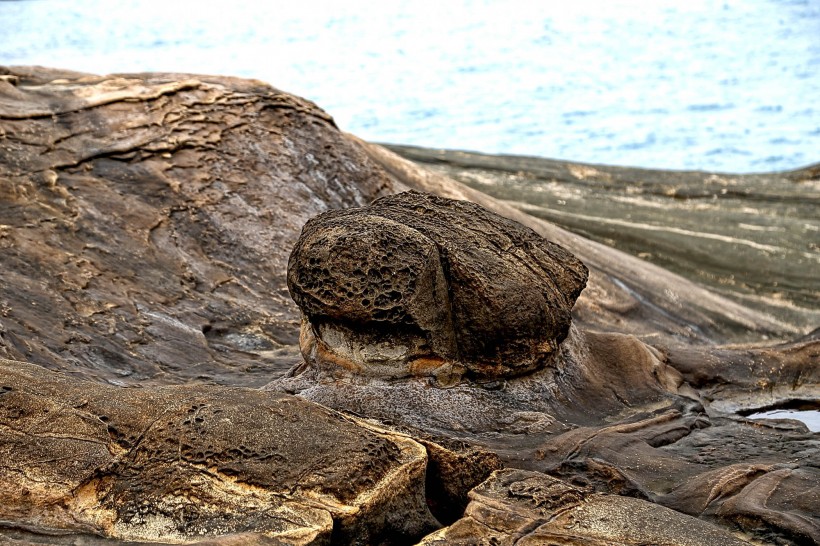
416 284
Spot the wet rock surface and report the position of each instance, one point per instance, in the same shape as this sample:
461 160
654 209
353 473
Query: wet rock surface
147 221
414 283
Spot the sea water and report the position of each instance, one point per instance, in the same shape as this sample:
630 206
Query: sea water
727 85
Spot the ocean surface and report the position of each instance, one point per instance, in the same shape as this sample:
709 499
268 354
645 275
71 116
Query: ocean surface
726 85
811 418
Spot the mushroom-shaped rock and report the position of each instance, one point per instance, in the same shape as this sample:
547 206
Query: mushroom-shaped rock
420 285
189 464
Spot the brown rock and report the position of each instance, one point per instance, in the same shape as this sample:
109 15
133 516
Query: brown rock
529 508
146 222
700 228
186 463
145 227
414 284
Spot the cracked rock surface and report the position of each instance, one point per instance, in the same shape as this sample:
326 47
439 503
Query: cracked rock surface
186 463
529 508
146 220
625 411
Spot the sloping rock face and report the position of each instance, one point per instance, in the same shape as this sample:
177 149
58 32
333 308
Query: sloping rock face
146 222
529 509
185 463
628 294
415 283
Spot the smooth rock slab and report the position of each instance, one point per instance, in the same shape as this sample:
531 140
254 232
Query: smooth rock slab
180 464
416 284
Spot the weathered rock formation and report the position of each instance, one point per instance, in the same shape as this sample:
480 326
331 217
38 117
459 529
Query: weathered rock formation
145 227
146 222
185 463
752 236
530 418
416 286
419 285
516 507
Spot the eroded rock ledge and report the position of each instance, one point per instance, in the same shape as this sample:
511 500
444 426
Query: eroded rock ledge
516 507
179 464
556 418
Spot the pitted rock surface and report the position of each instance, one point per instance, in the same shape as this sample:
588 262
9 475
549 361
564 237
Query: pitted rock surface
415 283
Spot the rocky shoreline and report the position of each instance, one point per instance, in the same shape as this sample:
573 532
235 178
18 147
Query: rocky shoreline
449 372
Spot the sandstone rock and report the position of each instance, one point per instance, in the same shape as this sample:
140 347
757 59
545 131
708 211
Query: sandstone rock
528 508
146 222
186 463
610 419
628 294
415 283
745 475
595 376
145 227
742 235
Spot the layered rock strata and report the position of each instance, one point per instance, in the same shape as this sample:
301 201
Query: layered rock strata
516 507
146 222
554 418
182 464
747 236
